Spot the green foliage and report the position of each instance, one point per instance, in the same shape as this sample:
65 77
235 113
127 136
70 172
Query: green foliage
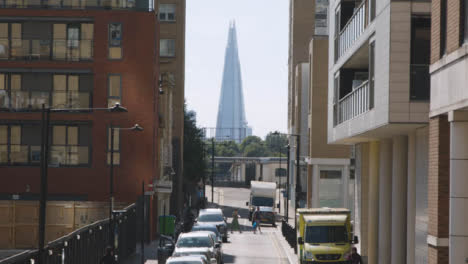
194 165
276 143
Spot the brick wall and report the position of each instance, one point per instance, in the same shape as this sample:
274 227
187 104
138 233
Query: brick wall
438 186
435 31
454 29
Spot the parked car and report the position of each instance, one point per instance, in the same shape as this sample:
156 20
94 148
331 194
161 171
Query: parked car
193 259
208 227
215 217
199 243
165 248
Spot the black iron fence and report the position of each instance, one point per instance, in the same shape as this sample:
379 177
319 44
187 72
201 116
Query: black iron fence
289 234
87 244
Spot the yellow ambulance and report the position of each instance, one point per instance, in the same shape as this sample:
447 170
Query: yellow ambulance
324 235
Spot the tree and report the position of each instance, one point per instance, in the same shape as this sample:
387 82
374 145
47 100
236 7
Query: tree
255 149
194 165
275 142
250 140
227 149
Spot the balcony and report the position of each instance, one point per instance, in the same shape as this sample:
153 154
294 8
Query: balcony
353 104
141 5
352 30
46 49
31 100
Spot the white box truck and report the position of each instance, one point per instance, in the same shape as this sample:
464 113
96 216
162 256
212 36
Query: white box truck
263 195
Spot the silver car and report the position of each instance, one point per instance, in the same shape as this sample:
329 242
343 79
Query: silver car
214 216
193 259
198 243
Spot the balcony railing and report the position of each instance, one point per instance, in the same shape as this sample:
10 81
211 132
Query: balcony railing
46 49
353 104
26 100
352 30
141 5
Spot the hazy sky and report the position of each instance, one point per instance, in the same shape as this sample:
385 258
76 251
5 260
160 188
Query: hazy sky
262 33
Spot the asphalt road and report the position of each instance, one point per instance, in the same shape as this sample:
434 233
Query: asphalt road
247 247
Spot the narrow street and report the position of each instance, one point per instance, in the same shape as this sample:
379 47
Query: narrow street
247 247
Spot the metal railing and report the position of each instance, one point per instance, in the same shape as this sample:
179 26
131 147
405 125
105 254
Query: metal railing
87 244
140 5
46 49
289 234
353 104
353 29
26 100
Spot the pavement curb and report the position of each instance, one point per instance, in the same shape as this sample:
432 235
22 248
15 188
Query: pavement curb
288 250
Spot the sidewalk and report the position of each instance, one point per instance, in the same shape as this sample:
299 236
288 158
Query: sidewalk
151 250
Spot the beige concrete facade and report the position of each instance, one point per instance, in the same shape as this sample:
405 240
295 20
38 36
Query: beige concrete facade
171 15
379 100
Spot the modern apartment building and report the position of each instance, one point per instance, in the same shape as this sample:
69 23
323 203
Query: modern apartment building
172 77
378 101
78 55
301 20
329 181
448 133
324 178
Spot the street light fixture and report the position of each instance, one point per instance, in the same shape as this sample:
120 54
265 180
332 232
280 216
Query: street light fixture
44 164
136 128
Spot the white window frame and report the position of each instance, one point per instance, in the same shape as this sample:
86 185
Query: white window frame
166 10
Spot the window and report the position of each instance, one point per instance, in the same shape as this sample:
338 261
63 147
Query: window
443 27
372 10
70 145
464 14
371 74
115 90
280 172
420 81
31 90
72 41
20 144
167 12
331 186
115 41
116 151
167 47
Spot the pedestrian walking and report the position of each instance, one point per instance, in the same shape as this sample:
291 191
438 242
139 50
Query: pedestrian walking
108 258
355 258
256 220
235 221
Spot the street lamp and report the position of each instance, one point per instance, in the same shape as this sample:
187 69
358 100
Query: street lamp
44 164
136 128
296 200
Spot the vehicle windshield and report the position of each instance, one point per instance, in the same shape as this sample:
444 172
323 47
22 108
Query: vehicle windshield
262 201
195 242
210 218
206 228
326 234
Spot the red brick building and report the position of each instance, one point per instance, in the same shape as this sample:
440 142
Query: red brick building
78 54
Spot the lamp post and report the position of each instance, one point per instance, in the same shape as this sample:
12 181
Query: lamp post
287 181
298 151
44 164
136 128
212 169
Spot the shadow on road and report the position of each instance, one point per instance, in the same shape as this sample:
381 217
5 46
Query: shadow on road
229 258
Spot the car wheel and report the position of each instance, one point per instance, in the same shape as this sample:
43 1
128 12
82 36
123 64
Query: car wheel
274 224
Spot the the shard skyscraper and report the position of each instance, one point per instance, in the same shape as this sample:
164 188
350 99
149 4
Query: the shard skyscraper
232 123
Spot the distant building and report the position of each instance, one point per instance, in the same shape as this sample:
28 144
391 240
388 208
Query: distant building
232 123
